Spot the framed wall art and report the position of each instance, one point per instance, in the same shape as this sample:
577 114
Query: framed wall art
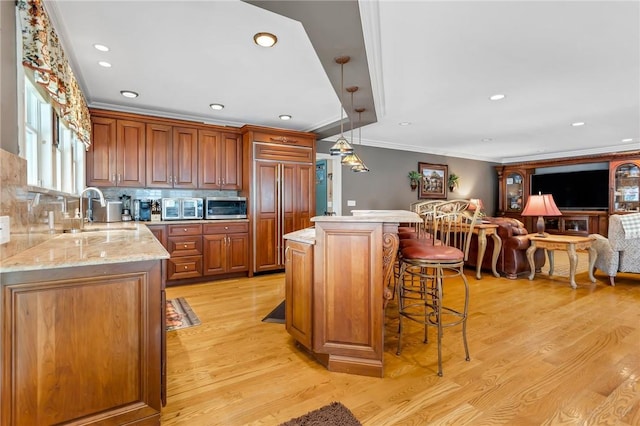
434 180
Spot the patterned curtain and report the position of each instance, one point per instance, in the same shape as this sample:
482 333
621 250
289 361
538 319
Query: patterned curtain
43 53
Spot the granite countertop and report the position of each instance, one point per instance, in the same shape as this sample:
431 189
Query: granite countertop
100 243
307 236
404 216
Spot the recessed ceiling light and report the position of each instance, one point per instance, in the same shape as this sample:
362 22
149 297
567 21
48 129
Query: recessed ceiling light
578 124
216 107
101 47
627 140
285 117
104 64
128 94
497 97
486 140
265 39
404 123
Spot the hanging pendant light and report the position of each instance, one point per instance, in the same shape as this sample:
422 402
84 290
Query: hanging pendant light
360 168
342 146
351 159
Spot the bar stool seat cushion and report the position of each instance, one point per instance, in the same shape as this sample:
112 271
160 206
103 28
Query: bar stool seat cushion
432 253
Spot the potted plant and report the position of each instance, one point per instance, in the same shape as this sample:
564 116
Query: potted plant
414 179
454 180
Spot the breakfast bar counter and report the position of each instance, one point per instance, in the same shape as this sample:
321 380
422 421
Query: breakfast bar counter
336 278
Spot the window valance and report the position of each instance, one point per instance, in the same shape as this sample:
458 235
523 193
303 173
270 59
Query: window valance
43 53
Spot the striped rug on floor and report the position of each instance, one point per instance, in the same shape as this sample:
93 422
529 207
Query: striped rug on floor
180 315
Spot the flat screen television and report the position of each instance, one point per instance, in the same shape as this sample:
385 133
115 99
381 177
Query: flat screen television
580 190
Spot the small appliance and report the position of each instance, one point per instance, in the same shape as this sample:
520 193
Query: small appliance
226 208
181 208
111 212
142 210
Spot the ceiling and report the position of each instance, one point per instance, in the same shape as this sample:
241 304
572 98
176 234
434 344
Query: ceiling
433 64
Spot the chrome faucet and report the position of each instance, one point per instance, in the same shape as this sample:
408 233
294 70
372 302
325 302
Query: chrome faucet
102 202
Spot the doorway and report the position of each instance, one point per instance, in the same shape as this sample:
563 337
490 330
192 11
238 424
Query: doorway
329 195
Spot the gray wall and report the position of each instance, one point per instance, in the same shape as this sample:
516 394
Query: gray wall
386 186
8 84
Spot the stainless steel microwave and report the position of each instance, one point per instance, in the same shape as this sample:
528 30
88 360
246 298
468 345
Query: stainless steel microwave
181 208
226 208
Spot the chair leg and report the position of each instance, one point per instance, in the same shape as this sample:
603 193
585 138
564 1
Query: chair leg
403 268
465 314
438 312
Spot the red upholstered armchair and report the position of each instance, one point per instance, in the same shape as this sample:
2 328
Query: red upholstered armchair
512 260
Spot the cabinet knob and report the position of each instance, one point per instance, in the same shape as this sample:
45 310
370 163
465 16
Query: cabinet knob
185 229
226 227
185 246
186 267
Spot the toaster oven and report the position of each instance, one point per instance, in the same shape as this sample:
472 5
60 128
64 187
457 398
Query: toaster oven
182 208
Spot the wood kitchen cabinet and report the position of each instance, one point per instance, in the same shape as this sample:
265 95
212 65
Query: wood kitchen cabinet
283 195
298 281
219 160
160 232
226 248
83 345
116 156
172 157
184 244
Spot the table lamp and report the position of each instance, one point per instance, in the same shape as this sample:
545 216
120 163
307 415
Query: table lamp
541 205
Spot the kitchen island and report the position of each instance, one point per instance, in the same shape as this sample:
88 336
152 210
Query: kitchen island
336 278
83 328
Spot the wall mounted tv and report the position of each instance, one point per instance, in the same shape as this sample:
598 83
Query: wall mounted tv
579 190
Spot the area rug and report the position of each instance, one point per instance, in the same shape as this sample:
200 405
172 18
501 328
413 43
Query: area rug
334 414
277 315
180 315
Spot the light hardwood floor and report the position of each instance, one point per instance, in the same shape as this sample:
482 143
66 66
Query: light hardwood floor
541 354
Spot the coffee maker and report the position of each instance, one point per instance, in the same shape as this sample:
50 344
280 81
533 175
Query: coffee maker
142 210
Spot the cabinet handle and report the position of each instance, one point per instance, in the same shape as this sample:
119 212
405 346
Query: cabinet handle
186 267
185 246
175 179
185 229
113 178
170 179
223 181
119 180
226 227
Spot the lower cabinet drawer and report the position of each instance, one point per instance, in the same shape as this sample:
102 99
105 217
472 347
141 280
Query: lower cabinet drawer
184 246
184 267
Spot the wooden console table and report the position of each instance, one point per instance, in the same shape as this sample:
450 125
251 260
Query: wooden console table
482 230
568 243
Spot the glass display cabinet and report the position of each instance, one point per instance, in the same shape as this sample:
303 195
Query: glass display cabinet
625 181
514 190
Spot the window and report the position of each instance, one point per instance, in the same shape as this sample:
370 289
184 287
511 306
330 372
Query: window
54 154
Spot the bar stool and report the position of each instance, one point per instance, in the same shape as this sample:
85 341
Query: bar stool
424 268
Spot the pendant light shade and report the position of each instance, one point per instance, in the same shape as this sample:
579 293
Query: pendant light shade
351 159
360 168
341 146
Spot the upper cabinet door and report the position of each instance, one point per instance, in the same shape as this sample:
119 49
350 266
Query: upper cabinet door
159 153
624 177
185 158
219 160
117 153
130 154
101 156
231 161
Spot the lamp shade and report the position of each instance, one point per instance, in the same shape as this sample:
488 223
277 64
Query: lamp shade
475 203
541 205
